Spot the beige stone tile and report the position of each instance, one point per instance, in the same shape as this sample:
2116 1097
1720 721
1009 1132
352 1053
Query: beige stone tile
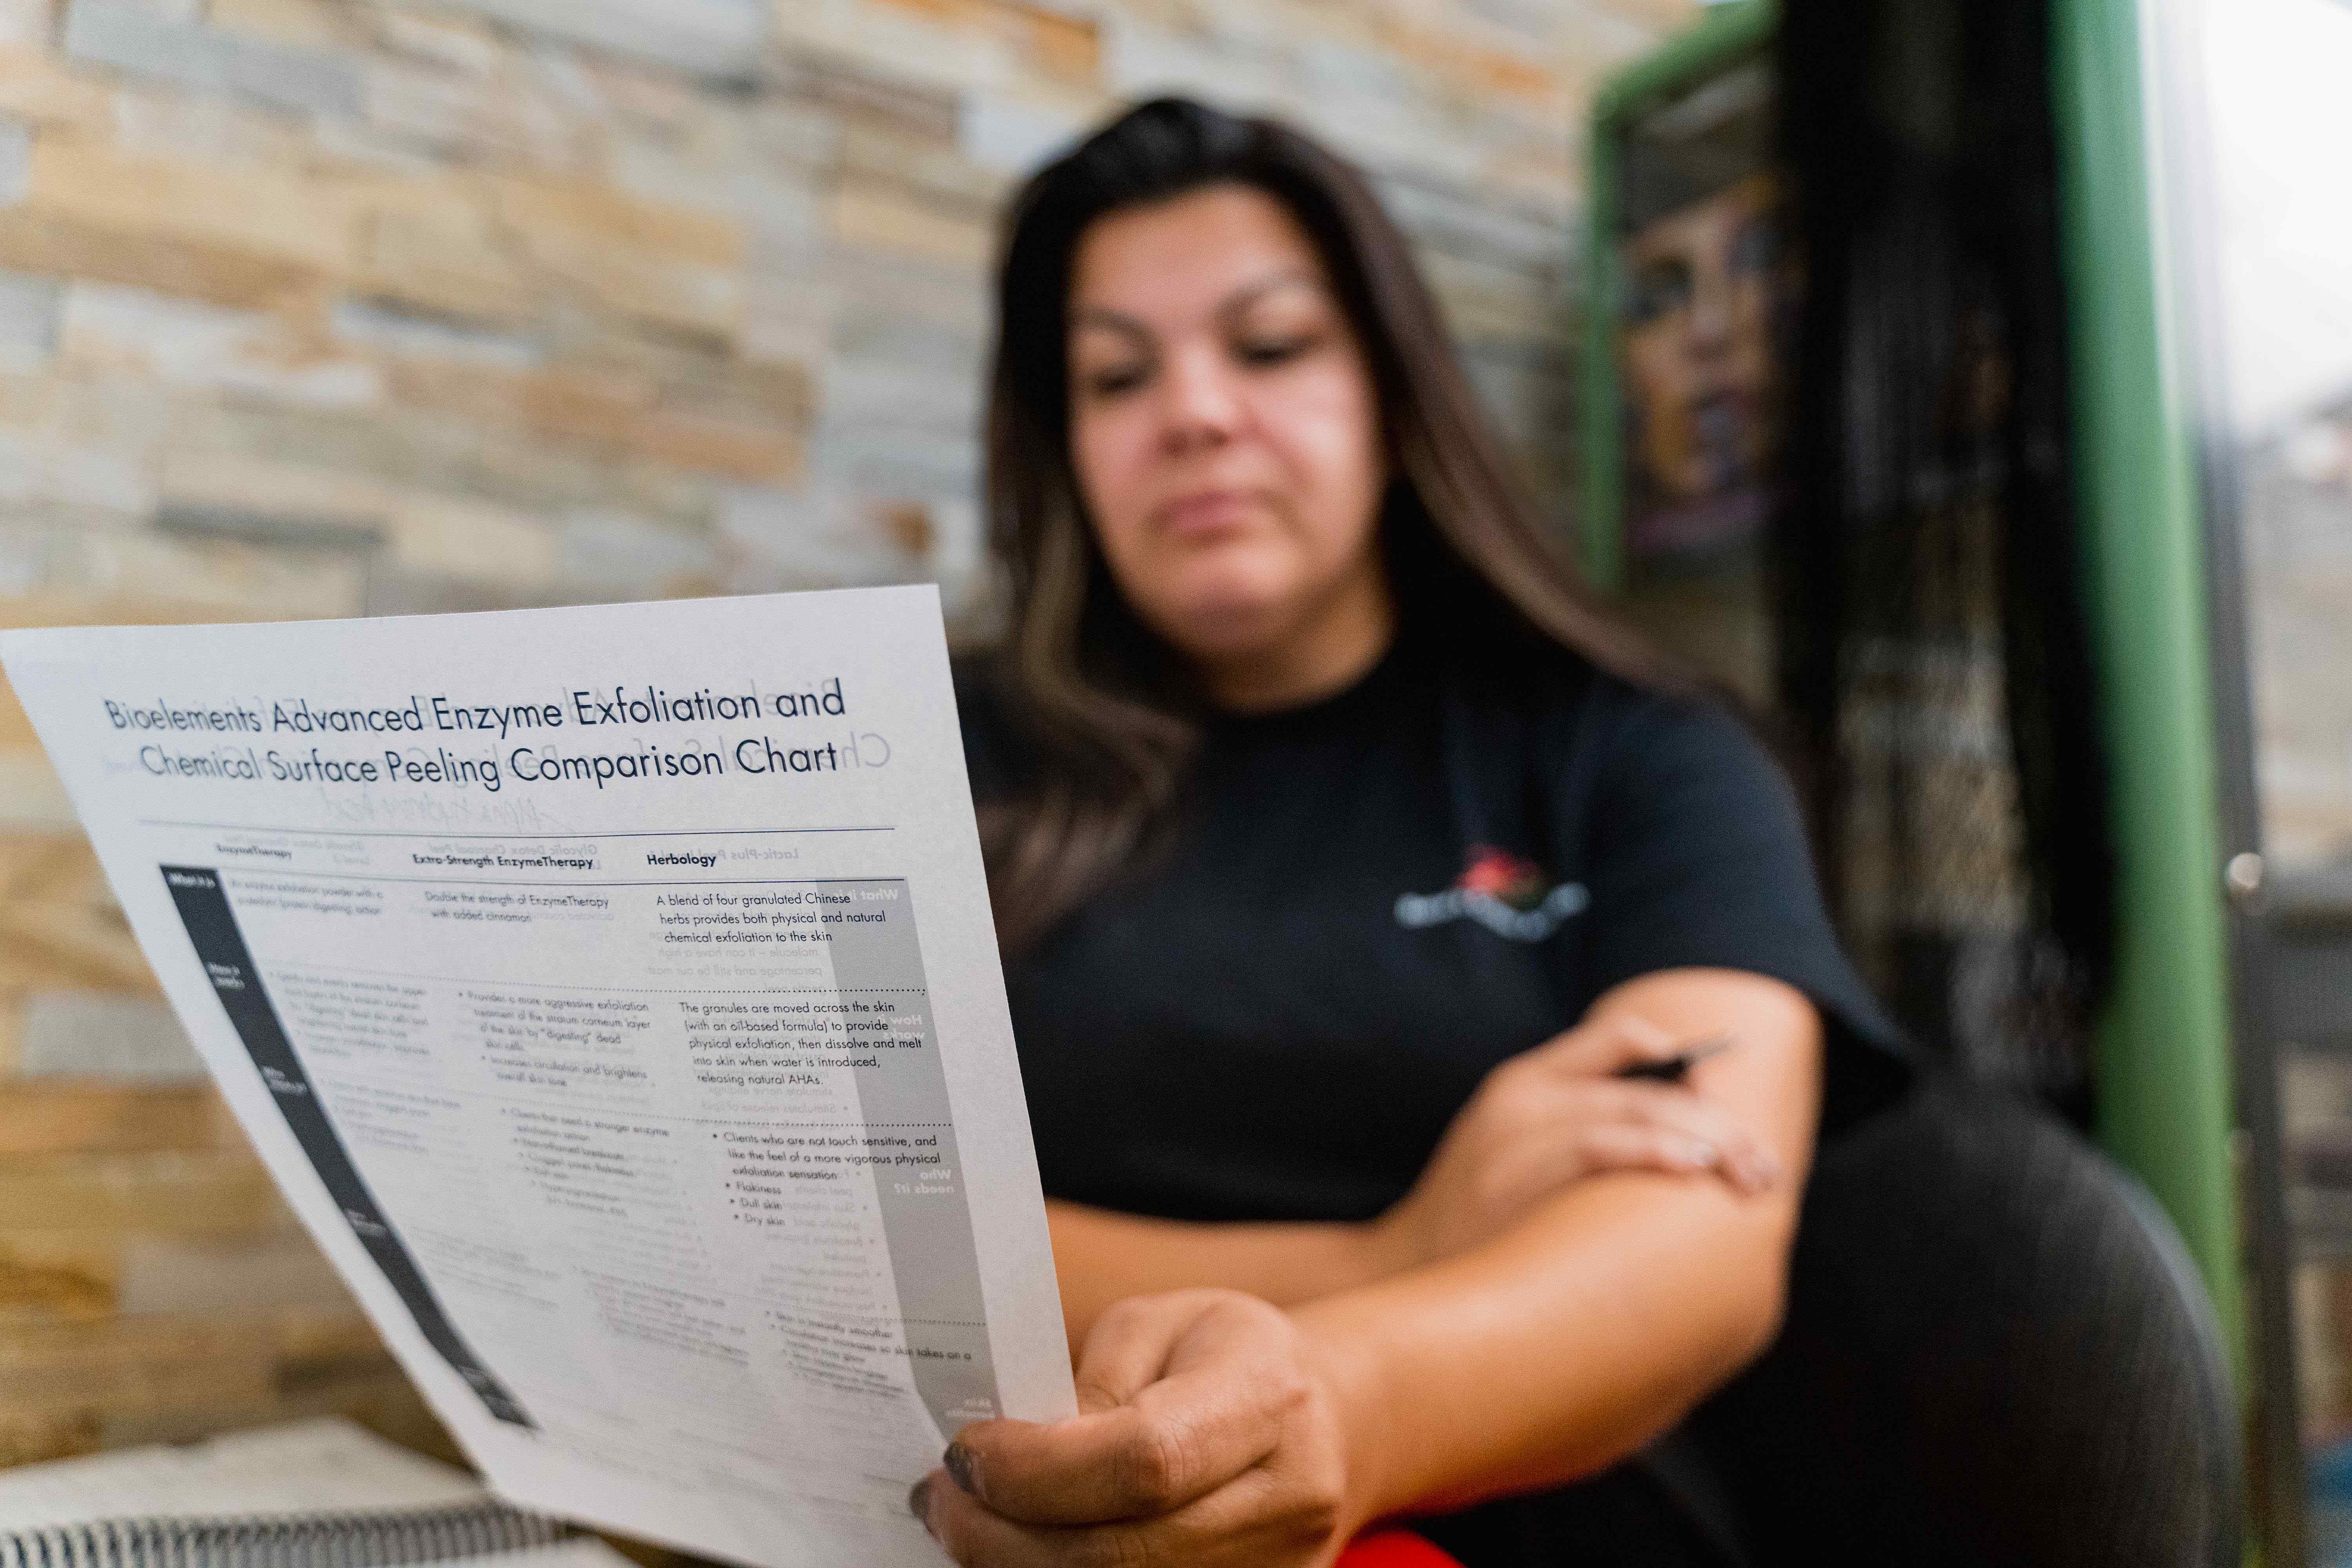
147 1364
319 1335
1473 68
484 394
456 433
232 481
671 266
50 868
371 1393
228 581
26 22
122 416
788 316
88 1117
621 410
50 1277
476 541
31 795
506 119
35 86
281 217
225 1274
225 133
40 237
453 43
827 67
664 105
63 947
28 1439
139 334
1058 41
390 329
889 50
761 392
442 254
938 176
888 219
117 1038
96 1256
350 146
956 43
304 22
1012 132
43 467
1541 174
68 609
172 1192
613 412
1148 53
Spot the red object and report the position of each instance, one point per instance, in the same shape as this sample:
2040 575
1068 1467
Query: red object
1497 873
1393 1549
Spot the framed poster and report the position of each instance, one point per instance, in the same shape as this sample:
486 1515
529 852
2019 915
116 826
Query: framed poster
1693 291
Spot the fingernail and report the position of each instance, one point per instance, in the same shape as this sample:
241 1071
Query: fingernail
964 1465
918 1501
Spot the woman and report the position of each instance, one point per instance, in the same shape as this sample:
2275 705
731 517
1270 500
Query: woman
1345 857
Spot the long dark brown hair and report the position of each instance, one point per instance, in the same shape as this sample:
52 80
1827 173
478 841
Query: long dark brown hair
1106 710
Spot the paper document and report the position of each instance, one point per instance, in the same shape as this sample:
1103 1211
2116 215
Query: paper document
317 1491
324 1466
613 992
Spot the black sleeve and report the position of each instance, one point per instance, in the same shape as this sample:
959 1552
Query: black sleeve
1698 860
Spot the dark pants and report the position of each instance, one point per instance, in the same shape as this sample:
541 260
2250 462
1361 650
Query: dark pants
1996 1350
1665 1511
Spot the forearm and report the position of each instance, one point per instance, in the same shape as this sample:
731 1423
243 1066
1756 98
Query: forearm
1103 1256
1219 1428
1597 1319
1556 1349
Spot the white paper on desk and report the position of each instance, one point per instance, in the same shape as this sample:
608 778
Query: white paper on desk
613 992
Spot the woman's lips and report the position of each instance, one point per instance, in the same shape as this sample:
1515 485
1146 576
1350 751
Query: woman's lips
1202 513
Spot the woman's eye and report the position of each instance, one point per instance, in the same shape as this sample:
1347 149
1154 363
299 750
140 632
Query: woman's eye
1109 381
1274 351
1658 287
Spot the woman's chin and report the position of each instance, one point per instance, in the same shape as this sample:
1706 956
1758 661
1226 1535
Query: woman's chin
1226 628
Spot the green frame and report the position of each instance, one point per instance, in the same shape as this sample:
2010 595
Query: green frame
2165 1107
2164 1048
1725 35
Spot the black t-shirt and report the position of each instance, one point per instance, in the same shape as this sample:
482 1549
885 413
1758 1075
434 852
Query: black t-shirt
1372 900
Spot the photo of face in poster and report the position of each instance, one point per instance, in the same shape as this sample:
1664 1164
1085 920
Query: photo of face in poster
1708 291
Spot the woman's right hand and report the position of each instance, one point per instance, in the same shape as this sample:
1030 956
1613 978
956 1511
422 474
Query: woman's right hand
1554 1115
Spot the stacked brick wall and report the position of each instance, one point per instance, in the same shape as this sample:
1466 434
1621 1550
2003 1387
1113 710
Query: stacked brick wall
338 306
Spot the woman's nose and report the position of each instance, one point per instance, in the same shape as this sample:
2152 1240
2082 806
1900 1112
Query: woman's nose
1710 309
1200 405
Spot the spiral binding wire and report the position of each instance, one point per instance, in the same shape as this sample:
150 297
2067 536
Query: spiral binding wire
310 1540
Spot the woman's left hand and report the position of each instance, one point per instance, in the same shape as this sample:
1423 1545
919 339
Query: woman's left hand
1209 1432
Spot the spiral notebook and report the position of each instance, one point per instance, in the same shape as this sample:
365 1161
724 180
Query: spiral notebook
312 1494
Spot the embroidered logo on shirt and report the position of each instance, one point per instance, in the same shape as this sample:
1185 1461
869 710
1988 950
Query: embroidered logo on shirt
1501 892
